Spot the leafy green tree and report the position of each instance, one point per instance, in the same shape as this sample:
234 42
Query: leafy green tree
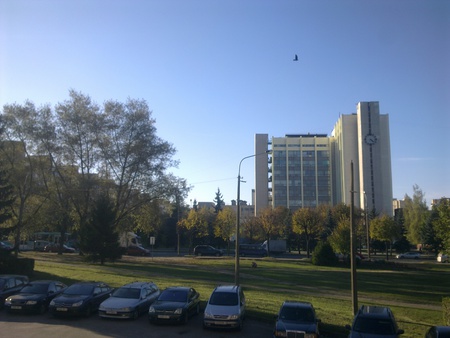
99 238
6 197
307 222
225 225
272 222
340 238
441 223
383 228
218 201
323 255
195 224
251 229
415 212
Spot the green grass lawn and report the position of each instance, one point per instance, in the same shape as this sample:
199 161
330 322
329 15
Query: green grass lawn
414 291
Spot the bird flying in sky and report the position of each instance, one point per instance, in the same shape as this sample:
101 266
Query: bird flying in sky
295 58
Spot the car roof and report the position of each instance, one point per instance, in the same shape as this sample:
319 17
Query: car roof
374 311
183 288
90 283
227 288
136 284
293 303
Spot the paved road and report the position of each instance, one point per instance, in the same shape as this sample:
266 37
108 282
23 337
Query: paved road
44 326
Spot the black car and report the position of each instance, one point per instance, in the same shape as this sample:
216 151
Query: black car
374 321
296 319
175 304
438 332
207 250
80 299
34 297
10 285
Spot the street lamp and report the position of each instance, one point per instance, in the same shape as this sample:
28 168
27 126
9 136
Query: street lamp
238 217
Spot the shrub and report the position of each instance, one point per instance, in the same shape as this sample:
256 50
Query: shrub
324 255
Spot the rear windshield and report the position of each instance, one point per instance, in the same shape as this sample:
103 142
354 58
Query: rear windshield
224 298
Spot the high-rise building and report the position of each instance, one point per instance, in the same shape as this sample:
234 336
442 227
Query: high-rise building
306 170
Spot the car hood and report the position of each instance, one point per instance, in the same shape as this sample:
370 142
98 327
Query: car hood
296 326
116 303
222 310
27 296
163 305
70 298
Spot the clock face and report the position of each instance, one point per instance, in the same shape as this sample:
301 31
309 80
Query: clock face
370 139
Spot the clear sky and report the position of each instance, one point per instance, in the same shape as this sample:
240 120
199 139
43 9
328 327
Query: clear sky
217 72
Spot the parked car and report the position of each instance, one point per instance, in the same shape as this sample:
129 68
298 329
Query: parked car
39 245
175 304
6 246
129 301
443 258
137 251
207 250
252 250
54 247
225 308
297 319
408 255
80 299
374 321
10 285
35 296
438 332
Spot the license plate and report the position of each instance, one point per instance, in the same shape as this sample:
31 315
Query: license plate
111 312
163 316
63 309
15 307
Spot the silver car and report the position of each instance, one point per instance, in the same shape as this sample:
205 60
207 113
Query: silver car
225 308
129 301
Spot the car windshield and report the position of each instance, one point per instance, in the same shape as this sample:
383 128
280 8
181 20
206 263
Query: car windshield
173 296
35 288
79 289
374 326
224 298
296 314
131 293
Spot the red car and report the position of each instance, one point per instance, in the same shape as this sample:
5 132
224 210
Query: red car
54 247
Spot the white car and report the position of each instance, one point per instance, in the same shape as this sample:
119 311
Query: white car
443 258
408 255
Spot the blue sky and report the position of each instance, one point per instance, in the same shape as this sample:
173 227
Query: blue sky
216 72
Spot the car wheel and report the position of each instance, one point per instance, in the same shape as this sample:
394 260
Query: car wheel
186 318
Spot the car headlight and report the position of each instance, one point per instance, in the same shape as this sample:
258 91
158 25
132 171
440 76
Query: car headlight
178 311
126 309
8 301
208 315
77 304
31 302
151 309
278 333
234 317
310 335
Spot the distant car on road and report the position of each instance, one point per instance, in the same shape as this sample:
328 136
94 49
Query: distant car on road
6 246
207 250
409 255
137 251
442 258
54 247
34 297
252 250
80 299
129 301
374 321
297 319
175 304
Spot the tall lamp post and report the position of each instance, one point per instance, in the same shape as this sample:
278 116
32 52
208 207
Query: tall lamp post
238 218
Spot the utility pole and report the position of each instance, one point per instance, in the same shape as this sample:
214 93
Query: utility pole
352 245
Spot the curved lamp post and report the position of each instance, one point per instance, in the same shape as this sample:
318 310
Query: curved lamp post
238 217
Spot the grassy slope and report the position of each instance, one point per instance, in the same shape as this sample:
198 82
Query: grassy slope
413 291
